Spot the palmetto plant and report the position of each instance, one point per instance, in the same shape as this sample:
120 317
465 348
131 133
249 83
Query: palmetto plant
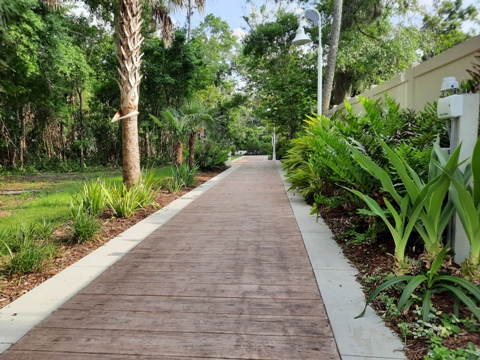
178 126
322 155
198 117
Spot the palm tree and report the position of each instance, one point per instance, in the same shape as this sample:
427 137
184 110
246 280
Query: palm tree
178 127
197 117
129 58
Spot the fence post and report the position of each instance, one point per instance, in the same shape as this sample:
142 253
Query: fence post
465 131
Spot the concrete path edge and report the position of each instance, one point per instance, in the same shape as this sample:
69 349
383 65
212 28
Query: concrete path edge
357 339
23 314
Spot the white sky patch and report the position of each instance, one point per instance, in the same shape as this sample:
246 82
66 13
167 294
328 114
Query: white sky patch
416 19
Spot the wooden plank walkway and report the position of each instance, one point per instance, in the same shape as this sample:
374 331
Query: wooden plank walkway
227 278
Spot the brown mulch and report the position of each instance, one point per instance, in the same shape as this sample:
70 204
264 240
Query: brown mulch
374 259
12 287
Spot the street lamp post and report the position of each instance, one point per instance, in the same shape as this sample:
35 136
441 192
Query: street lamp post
301 38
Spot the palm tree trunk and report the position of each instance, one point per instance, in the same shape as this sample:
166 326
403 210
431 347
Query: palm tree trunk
191 149
129 58
179 153
332 55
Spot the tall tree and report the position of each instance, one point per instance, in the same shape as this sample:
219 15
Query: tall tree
442 27
129 59
281 80
332 54
130 39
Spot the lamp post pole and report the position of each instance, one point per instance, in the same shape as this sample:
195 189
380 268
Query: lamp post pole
301 38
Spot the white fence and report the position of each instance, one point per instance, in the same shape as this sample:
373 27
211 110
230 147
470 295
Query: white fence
420 84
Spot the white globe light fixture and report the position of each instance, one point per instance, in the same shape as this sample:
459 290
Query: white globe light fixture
301 39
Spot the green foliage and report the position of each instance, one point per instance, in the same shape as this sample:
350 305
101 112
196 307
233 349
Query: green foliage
124 201
430 283
210 155
26 249
85 224
281 78
174 184
91 199
437 351
320 163
416 199
442 26
466 198
184 175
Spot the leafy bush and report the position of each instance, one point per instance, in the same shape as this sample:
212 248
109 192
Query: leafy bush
125 201
210 155
91 198
184 175
85 225
320 165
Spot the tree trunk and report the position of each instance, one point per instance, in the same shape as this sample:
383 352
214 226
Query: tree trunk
129 58
332 55
82 129
179 153
191 149
23 144
341 88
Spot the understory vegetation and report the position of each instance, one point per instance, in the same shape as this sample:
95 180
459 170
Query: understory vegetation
26 235
396 187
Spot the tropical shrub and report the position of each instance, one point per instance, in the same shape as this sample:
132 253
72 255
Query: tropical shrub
417 200
210 155
320 165
184 174
91 198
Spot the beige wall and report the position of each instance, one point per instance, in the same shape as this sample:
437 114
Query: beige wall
420 84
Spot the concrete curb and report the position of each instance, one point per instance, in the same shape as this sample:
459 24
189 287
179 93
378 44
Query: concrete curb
357 339
23 314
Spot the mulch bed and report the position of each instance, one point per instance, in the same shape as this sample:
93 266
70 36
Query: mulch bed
374 259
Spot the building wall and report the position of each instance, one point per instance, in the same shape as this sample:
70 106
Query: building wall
420 84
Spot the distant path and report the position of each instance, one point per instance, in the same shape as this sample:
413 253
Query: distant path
226 278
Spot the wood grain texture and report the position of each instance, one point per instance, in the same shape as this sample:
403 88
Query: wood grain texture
227 278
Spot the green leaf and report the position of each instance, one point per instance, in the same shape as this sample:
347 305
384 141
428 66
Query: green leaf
398 164
378 172
467 285
382 287
426 304
409 289
437 263
465 299
475 164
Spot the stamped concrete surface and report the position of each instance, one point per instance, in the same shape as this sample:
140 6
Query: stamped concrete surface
228 277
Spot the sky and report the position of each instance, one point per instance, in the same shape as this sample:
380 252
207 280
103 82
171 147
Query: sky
233 10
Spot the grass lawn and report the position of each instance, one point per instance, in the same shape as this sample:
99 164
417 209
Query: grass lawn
50 196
